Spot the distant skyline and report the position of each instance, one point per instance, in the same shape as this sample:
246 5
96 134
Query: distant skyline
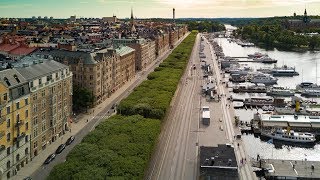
157 8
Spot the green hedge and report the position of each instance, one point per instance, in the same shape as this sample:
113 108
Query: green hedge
120 148
152 98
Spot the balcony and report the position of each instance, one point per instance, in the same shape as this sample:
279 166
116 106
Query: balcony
19 123
19 137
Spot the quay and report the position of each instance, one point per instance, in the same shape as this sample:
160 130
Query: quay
288 169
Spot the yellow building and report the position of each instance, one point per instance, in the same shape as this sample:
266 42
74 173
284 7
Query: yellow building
14 123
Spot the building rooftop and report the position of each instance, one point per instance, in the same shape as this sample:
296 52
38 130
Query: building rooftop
41 69
218 162
291 120
11 78
123 50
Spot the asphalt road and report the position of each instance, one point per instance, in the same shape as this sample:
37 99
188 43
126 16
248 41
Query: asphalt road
44 171
176 153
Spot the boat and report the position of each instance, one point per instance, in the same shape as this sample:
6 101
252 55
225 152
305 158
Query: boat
241 71
258 101
307 85
238 78
255 55
279 91
265 108
289 135
280 71
310 93
250 88
266 79
265 59
271 108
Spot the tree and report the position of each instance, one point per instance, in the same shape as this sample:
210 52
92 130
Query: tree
82 98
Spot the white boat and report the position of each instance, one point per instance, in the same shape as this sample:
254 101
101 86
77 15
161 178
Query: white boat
266 79
279 91
311 93
290 135
284 71
241 71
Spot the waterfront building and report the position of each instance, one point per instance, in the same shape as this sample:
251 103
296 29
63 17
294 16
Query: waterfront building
304 22
50 85
14 123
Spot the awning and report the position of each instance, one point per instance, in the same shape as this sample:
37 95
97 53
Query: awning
297 124
315 125
274 123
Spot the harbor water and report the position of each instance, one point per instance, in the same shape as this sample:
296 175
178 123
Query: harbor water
306 65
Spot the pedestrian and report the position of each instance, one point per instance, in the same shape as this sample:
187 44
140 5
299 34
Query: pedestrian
245 160
238 144
87 120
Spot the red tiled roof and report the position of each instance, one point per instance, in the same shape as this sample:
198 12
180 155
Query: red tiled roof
8 47
22 50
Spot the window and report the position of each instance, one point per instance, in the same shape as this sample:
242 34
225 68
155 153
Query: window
27 125
40 81
8 164
18 118
43 103
91 77
26 101
43 93
8 137
35 144
8 110
43 116
8 150
18 157
56 75
16 77
35 120
43 128
35 132
7 81
49 78
35 96
18 105
26 113
31 84
5 96
26 151
21 91
44 138
35 108
8 123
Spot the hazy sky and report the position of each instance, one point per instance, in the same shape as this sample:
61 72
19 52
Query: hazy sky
157 8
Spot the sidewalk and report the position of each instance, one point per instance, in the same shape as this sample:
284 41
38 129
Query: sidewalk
97 113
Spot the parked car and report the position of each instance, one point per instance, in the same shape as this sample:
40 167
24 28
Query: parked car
27 178
70 140
60 148
50 158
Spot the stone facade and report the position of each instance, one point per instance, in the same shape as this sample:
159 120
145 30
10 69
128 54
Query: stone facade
51 102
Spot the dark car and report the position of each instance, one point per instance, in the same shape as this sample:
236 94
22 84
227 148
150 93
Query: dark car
50 158
70 140
60 148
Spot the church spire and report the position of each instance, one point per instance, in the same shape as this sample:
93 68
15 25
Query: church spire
131 14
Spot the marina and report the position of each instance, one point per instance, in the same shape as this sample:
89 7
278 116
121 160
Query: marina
285 81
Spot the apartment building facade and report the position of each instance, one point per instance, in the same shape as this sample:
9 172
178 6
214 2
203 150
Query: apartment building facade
50 85
14 123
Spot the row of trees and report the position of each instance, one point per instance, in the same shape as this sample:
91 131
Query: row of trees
277 36
120 147
205 26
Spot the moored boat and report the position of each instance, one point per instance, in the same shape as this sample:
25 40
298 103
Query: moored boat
279 91
290 135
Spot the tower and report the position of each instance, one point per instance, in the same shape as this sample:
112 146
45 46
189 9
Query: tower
133 29
305 17
174 14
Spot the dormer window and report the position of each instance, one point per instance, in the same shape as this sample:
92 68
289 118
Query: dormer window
16 77
7 81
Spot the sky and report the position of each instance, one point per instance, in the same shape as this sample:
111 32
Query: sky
157 8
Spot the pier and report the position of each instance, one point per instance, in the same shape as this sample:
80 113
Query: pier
288 169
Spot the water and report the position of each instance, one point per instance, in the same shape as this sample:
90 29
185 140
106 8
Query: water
306 64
